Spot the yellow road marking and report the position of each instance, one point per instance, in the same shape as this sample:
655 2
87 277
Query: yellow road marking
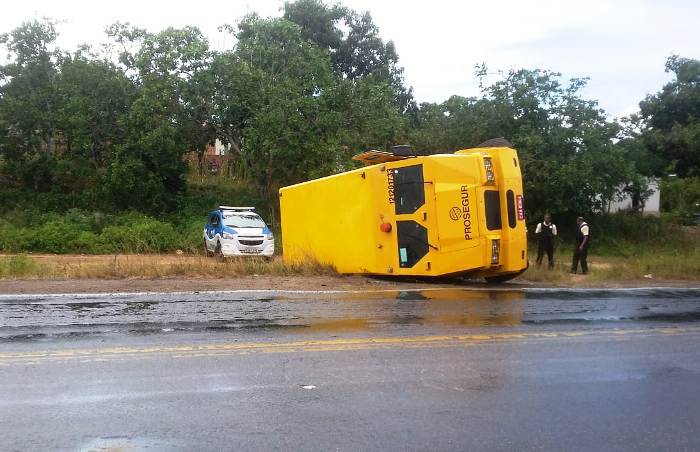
222 349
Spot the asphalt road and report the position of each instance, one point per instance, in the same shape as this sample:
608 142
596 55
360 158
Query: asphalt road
394 370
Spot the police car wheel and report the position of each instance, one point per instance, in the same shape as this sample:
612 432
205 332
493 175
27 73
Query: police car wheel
206 250
218 253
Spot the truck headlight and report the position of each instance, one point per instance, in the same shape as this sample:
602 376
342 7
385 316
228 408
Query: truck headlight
488 166
495 251
228 235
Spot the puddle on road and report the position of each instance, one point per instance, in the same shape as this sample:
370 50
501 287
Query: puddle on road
124 443
456 309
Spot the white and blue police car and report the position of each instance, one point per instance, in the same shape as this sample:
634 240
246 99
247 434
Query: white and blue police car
237 231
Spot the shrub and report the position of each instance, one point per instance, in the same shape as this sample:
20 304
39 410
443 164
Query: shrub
56 236
190 235
87 242
142 236
10 237
681 197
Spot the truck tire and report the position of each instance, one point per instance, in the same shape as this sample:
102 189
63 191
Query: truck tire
500 278
504 278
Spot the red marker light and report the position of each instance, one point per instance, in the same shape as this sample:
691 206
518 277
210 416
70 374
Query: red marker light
385 227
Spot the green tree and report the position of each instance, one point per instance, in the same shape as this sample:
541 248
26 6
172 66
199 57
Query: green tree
279 82
94 101
366 116
28 99
568 152
170 117
672 119
353 41
567 146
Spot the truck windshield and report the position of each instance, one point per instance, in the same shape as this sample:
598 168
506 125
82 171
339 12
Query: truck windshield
243 220
493 209
409 189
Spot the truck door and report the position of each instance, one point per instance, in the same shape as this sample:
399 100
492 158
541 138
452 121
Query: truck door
457 215
410 198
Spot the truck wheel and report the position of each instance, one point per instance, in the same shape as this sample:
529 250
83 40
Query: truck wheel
503 278
206 250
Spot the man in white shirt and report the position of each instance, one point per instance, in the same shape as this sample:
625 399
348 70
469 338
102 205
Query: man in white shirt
545 232
583 240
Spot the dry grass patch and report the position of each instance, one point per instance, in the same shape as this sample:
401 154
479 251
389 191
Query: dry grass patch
151 266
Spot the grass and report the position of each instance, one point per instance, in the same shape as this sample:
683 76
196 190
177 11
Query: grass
682 264
150 266
628 248
18 267
649 266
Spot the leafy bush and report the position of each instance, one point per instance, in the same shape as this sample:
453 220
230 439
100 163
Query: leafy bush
57 236
681 197
13 238
142 236
624 234
94 233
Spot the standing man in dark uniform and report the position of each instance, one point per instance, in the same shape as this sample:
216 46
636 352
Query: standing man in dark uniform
545 232
583 240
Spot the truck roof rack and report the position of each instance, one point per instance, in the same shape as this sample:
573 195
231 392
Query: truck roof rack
243 209
398 152
372 157
407 151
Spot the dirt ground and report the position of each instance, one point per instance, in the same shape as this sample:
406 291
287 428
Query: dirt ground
183 284
189 284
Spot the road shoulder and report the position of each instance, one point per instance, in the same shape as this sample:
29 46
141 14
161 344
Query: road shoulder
297 282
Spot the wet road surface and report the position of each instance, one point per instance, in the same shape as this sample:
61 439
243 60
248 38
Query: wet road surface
443 369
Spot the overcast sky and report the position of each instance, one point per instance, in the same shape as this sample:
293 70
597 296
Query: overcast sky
620 44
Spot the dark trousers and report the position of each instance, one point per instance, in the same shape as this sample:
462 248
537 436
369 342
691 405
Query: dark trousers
580 255
545 246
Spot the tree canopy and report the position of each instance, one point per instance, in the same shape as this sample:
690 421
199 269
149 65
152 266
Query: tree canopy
672 120
295 98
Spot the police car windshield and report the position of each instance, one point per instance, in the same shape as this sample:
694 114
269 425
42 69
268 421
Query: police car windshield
243 220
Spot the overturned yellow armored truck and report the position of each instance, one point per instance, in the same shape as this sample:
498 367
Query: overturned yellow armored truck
408 214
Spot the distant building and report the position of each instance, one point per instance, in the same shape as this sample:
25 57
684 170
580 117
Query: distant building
651 206
218 148
214 159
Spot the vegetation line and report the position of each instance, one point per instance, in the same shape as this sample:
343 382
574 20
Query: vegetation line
604 269
108 149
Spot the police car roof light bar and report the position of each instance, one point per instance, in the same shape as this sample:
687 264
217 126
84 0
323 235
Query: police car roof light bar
236 208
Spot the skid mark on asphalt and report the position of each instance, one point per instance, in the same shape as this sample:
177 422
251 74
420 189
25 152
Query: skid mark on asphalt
334 345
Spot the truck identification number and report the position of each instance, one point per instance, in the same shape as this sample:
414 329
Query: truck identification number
521 210
390 185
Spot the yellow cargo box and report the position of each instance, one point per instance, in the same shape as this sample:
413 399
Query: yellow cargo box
435 215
